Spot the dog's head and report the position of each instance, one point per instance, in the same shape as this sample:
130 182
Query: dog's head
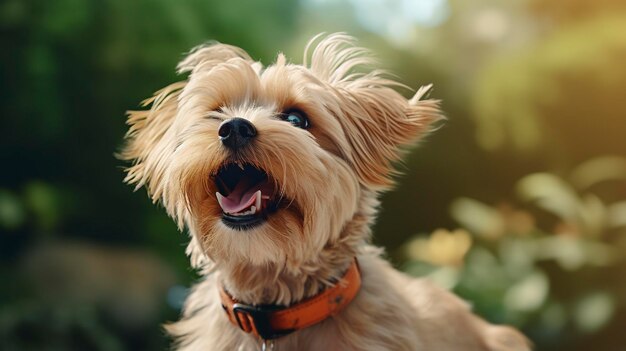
277 164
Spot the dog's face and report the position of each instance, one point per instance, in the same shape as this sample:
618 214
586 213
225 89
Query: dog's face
271 165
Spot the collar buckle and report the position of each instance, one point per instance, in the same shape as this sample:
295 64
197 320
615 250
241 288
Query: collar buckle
256 319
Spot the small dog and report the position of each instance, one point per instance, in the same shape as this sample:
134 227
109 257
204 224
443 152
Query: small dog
276 172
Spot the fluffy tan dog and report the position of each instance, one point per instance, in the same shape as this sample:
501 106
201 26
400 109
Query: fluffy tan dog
276 172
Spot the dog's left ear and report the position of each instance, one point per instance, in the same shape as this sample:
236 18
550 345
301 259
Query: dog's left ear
377 121
151 137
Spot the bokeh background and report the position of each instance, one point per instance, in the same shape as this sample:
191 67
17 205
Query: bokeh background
517 203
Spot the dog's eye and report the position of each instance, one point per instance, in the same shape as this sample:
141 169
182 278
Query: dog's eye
296 118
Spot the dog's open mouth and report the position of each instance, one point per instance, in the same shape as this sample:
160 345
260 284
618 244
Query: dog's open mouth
245 194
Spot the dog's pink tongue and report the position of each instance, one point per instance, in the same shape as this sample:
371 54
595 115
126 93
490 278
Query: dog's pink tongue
245 194
238 200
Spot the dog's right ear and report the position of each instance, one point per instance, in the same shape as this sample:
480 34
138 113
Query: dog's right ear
377 121
151 137
209 55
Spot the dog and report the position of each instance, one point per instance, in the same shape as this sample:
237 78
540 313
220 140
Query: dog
276 173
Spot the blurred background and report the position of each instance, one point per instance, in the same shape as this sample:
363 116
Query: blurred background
517 203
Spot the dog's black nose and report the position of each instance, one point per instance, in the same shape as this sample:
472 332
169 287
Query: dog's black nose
236 132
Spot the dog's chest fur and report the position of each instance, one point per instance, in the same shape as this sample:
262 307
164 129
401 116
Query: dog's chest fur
391 312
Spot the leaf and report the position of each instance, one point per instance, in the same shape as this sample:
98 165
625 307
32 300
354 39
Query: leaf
43 200
517 256
594 311
598 170
616 215
529 293
592 215
567 251
12 213
572 253
551 194
483 272
478 217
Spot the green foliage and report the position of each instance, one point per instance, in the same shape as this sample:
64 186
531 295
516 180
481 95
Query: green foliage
12 211
526 264
69 70
522 99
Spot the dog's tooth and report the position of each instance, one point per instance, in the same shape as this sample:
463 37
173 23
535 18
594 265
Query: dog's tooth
257 202
265 197
240 165
219 198
253 210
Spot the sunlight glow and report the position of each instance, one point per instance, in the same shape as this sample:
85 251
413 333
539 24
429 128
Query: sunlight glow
396 20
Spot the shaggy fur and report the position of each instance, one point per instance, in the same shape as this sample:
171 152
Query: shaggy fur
329 178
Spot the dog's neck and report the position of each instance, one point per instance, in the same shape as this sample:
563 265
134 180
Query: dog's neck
285 284
274 285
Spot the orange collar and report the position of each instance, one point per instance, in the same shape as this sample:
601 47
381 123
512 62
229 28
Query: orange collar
272 321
